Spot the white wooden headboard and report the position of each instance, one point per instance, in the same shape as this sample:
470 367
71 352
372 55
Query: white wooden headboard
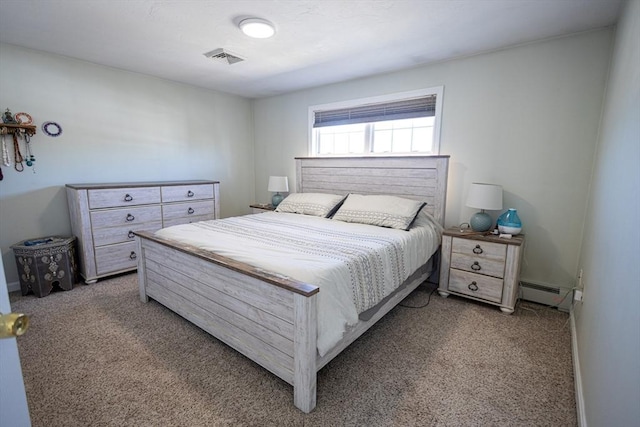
414 177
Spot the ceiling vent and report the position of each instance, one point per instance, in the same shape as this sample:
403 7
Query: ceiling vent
224 55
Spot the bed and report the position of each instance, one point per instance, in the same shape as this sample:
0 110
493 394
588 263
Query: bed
266 315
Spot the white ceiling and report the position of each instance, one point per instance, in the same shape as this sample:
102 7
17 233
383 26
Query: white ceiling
317 41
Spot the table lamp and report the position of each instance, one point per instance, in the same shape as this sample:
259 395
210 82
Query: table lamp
278 184
483 197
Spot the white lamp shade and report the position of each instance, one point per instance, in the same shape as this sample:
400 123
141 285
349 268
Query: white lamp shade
278 183
485 196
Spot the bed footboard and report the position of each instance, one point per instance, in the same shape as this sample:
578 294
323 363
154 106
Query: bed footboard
268 318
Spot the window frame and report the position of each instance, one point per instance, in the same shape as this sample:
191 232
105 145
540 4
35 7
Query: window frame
438 91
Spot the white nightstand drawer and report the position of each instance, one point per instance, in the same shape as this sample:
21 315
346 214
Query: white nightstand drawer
476 285
479 249
182 193
116 197
478 264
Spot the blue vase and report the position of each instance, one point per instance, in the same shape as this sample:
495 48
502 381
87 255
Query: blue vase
509 222
481 221
276 199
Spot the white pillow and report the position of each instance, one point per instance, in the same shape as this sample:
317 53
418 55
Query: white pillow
316 204
384 211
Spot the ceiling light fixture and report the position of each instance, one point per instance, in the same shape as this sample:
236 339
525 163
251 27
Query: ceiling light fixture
257 28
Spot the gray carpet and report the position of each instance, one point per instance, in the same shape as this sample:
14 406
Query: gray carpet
97 356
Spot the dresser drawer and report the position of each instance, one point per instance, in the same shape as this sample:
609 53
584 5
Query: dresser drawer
114 258
116 197
179 193
187 220
111 235
476 285
188 210
128 216
478 249
477 264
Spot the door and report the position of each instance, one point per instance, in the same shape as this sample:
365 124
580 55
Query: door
13 399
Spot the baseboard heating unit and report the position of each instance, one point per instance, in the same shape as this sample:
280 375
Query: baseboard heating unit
546 294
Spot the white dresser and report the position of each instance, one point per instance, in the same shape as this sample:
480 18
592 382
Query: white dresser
104 218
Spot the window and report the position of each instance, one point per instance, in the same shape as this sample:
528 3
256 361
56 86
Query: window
404 123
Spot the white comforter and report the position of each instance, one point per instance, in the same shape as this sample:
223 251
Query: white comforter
355 265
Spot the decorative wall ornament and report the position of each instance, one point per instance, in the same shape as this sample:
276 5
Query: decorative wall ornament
7 118
51 129
6 160
27 120
19 126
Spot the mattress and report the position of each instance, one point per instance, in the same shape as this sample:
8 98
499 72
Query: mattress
355 265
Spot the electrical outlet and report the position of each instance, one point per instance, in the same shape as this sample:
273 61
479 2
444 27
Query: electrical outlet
577 295
579 284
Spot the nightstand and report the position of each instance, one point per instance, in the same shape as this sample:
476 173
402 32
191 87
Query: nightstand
481 267
262 207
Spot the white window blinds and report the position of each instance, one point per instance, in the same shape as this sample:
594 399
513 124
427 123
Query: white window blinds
424 106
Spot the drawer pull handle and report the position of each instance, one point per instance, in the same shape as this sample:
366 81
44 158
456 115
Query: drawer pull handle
133 255
190 193
190 211
131 235
477 250
130 217
476 267
128 198
473 286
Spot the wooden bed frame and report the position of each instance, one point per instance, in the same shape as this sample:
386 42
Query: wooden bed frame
267 317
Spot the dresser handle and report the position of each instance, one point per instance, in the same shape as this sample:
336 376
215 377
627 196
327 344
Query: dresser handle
130 217
473 286
128 198
476 267
477 250
190 193
131 235
133 255
190 211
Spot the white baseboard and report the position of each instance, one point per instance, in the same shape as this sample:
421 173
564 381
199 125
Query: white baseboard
13 286
577 377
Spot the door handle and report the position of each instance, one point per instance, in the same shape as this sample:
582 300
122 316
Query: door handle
13 325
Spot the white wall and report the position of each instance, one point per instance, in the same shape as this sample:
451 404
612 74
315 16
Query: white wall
117 126
608 320
525 118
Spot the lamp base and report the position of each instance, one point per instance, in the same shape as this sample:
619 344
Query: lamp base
481 221
276 199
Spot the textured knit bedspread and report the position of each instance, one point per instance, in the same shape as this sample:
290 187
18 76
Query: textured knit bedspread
355 265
